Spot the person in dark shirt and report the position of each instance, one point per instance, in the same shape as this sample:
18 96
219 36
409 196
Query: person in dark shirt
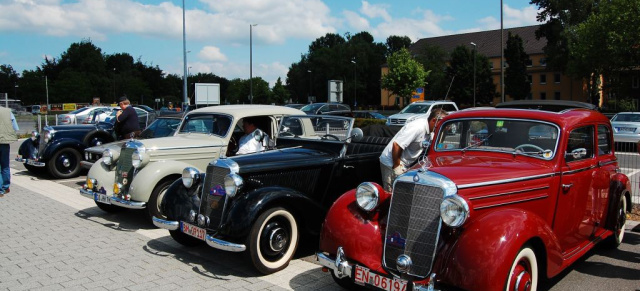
127 125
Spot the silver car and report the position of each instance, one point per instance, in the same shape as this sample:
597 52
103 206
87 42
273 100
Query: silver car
626 127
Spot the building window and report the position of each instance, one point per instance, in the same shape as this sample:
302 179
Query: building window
543 62
556 95
635 82
543 96
530 78
543 78
529 63
556 78
491 65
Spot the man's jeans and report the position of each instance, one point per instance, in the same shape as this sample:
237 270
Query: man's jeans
4 167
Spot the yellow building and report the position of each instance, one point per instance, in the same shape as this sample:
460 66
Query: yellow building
545 83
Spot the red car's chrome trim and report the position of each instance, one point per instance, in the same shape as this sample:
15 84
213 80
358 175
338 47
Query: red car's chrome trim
512 202
509 193
465 186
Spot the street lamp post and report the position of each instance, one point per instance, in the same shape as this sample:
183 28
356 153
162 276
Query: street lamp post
310 85
355 83
185 101
501 55
251 63
474 73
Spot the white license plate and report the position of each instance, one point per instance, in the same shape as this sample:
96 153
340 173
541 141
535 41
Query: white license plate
102 198
626 129
193 230
363 276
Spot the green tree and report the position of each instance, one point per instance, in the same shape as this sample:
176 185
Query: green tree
516 79
434 59
460 70
395 43
280 93
8 80
405 75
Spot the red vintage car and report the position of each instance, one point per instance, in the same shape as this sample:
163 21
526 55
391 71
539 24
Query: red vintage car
509 198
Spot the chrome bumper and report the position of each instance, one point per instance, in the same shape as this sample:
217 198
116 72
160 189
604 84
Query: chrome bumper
340 267
117 201
224 245
166 224
30 162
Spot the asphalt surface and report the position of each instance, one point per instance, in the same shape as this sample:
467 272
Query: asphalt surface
53 238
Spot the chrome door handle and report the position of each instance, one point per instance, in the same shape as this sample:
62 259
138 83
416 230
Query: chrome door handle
566 187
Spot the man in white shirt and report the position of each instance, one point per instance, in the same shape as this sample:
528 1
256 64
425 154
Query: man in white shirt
248 144
406 146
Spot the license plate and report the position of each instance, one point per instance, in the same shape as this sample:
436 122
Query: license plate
627 129
102 198
193 230
363 276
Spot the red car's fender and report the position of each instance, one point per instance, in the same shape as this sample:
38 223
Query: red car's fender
480 255
357 232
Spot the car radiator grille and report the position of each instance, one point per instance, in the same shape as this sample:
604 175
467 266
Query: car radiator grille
124 169
41 145
413 225
395 121
213 198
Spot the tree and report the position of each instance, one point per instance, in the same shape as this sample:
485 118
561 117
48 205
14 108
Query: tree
460 70
280 93
434 59
516 79
405 75
395 43
8 80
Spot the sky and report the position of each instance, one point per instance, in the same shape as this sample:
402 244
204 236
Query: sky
220 38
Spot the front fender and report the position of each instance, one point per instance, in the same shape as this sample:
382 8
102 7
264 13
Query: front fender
28 149
359 234
97 135
104 175
479 256
178 201
149 176
246 209
56 145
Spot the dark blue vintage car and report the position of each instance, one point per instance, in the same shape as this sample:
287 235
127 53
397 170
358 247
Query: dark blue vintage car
262 202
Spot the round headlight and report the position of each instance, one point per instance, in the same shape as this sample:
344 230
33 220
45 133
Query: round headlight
367 196
454 211
232 183
47 136
189 176
34 135
107 157
137 159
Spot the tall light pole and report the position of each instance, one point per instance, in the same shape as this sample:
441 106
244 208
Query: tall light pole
46 87
310 85
185 98
474 73
251 63
355 83
501 55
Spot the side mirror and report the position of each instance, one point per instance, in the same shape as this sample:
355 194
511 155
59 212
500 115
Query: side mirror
258 135
356 134
578 153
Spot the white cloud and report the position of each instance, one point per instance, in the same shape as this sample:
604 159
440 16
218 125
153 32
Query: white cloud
212 53
355 21
427 25
511 18
375 10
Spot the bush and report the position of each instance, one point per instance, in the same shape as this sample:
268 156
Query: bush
362 122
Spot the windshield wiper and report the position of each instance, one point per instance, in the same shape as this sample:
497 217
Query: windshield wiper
475 144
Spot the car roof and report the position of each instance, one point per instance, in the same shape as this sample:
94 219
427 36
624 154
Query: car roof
563 118
548 105
247 110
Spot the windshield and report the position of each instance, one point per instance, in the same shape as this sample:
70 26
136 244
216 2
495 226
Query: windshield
79 110
528 137
216 124
315 127
161 127
416 108
311 108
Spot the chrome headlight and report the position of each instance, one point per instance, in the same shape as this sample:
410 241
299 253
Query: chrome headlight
454 211
48 135
367 196
190 176
34 135
110 157
139 159
232 183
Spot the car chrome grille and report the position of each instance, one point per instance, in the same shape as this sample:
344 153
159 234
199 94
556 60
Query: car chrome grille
397 121
124 169
41 145
213 198
413 225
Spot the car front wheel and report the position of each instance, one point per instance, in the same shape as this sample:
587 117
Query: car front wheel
65 163
153 206
273 240
523 274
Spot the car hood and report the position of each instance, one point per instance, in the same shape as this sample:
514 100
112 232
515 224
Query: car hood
99 149
286 158
469 170
85 127
183 141
407 115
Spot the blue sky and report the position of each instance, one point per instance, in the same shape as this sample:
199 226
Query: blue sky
218 30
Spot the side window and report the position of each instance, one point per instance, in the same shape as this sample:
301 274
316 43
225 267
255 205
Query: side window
604 141
580 138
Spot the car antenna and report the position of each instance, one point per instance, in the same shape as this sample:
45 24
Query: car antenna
447 95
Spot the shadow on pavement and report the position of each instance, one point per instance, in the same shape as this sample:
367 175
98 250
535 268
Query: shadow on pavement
127 220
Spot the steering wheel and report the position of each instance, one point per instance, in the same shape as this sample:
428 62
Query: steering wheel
528 145
327 136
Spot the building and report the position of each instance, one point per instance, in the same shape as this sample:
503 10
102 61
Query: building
545 83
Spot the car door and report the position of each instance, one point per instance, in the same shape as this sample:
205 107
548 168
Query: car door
573 221
606 168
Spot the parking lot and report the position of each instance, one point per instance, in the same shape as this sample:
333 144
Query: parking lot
53 238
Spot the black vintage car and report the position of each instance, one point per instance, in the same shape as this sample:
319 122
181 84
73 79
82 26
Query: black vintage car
262 202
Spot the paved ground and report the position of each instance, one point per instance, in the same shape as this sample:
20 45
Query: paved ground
52 238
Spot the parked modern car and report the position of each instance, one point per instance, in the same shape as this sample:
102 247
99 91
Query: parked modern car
529 196
296 106
626 127
335 109
80 116
165 125
144 117
368 114
137 175
419 109
262 203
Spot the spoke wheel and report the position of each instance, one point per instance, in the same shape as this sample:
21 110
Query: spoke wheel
273 240
523 275
65 163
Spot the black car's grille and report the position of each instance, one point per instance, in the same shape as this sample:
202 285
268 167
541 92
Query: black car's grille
124 169
213 197
41 145
412 226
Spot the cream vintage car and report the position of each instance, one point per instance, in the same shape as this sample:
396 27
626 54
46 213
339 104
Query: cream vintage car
137 175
